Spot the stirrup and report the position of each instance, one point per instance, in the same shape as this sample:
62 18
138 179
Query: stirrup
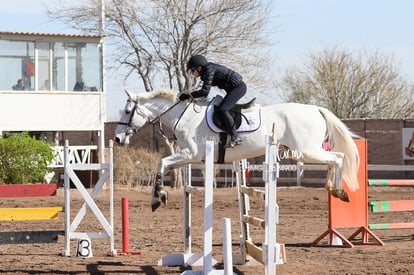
234 141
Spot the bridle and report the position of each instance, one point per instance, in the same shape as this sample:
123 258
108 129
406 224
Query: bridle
135 109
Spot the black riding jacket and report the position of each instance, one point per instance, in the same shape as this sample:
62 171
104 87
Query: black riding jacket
219 76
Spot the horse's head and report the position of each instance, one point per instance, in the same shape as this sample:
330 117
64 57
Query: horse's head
132 120
141 109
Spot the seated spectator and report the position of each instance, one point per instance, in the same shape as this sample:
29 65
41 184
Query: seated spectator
79 86
20 86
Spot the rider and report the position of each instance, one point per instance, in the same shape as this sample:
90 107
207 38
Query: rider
224 78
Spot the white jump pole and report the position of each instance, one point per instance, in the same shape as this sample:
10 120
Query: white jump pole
188 258
271 253
227 248
208 208
270 175
208 217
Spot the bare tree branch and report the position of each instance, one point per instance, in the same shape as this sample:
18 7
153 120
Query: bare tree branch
352 86
155 38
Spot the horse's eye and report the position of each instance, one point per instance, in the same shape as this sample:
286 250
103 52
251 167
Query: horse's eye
129 107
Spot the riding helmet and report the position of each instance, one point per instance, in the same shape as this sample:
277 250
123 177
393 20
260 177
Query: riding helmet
195 61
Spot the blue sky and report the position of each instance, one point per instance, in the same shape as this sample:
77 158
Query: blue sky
383 25
300 26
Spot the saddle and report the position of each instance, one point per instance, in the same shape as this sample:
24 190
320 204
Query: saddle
245 122
235 112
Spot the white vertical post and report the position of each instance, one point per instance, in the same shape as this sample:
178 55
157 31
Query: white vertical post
227 248
187 210
111 196
66 251
271 174
208 208
244 207
102 97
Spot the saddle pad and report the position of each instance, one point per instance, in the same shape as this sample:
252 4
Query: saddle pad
251 119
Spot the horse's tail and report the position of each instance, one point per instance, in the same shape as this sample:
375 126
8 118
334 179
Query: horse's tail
339 135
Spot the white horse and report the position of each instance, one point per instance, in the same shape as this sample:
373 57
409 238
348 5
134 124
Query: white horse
296 127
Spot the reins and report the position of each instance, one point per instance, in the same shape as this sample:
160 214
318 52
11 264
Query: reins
182 114
161 130
157 118
160 115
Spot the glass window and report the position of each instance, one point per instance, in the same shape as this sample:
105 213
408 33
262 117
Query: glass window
43 65
84 67
17 65
58 66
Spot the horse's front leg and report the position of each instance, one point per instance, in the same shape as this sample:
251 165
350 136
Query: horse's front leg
159 195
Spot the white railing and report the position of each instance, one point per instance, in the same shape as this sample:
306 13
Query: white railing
76 154
371 167
299 168
386 167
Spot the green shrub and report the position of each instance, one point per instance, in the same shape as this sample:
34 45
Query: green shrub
23 159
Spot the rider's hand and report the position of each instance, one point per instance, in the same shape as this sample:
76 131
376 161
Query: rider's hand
184 97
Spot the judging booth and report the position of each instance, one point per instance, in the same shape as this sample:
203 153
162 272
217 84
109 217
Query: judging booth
52 83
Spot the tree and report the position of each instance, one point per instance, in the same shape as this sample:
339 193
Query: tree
155 38
363 85
23 159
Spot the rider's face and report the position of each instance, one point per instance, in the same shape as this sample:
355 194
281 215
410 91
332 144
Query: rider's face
195 72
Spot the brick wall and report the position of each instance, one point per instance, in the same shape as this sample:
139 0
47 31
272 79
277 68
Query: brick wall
384 143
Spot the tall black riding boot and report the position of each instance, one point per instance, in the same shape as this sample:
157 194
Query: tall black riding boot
231 130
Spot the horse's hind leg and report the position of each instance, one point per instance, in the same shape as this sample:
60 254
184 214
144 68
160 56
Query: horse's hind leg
334 161
333 184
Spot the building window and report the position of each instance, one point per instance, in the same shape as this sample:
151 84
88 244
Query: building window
58 66
17 67
44 66
84 66
54 66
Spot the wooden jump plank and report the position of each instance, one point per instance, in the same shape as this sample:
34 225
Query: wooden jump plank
390 206
254 251
28 190
28 214
194 189
390 182
254 221
26 237
253 192
379 226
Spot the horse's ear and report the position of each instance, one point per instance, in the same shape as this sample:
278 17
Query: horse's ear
130 95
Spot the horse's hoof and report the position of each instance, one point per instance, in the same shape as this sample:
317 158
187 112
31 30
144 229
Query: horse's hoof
340 194
163 195
158 179
155 204
344 196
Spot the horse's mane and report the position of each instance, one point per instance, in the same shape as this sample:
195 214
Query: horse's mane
160 93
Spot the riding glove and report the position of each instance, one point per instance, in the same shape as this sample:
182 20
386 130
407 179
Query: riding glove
184 97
